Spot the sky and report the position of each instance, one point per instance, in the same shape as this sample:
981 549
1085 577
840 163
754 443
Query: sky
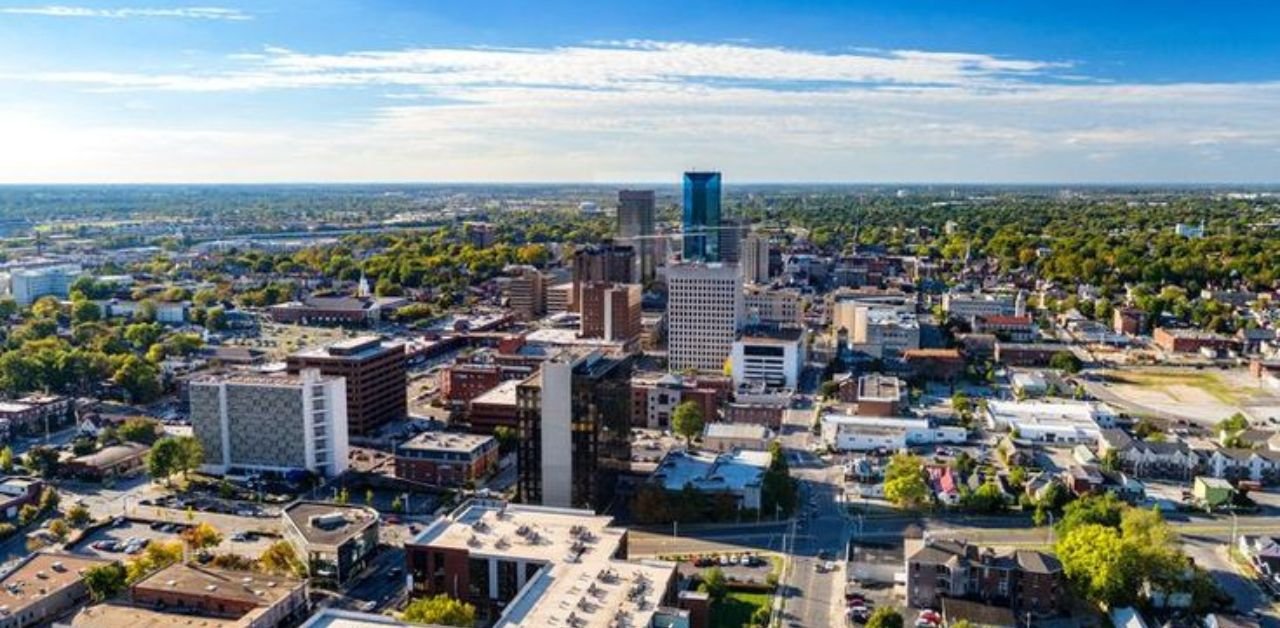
619 92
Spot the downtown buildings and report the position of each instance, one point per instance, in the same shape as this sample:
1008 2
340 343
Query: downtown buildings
375 377
701 218
704 313
635 228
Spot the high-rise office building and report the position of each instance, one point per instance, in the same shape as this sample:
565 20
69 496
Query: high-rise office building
610 311
271 422
701 221
608 261
377 387
574 425
755 258
635 227
704 312
732 233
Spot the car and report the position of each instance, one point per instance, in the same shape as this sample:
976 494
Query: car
396 571
820 567
723 560
120 522
239 537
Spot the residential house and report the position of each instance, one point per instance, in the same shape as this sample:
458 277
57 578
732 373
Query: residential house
1149 459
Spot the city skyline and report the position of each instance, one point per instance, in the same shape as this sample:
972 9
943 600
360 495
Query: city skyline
142 92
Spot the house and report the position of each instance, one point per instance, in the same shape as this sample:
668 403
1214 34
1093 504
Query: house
1212 492
1029 384
1149 459
1258 465
1084 479
112 461
16 492
1263 552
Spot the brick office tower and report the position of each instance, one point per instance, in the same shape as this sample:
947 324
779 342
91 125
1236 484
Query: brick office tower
376 380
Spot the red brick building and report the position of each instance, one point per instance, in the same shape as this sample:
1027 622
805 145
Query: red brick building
446 459
610 311
463 382
377 384
1191 340
940 364
495 408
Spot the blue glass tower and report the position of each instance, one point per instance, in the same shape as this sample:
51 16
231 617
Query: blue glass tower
701 216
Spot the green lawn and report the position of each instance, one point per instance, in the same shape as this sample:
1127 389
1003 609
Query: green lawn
737 608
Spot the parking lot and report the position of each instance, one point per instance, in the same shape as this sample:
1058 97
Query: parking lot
110 542
750 566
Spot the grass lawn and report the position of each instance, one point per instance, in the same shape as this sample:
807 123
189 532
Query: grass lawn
737 608
1210 383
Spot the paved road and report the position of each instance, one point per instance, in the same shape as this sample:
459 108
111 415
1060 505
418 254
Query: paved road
1212 556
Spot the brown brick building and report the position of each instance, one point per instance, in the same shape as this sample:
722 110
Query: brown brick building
446 459
610 311
1029 582
376 381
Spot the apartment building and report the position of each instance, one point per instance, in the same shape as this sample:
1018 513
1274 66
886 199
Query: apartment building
704 313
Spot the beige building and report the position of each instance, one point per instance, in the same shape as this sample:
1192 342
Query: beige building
43 588
704 312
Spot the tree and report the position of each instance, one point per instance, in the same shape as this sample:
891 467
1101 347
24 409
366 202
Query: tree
1103 510
85 311
139 378
778 489
279 558
961 403
46 307
440 609
885 617
156 556
215 319
507 439
202 535
140 430
1234 423
78 516
6 459
1094 560
41 460
368 497
714 584
105 581
27 514
904 482
59 529
829 389
397 505
173 454
49 499
143 335
1065 361
687 420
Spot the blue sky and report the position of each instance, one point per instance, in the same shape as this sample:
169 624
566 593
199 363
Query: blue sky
628 92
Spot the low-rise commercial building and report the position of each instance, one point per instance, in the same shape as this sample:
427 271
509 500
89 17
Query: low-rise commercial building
16 492
43 588
881 395
739 474
352 311
333 540
36 415
773 356
108 462
1027 354
1192 340
182 591
966 306
1007 327
654 397
1051 422
722 437
526 565
446 458
844 432
493 409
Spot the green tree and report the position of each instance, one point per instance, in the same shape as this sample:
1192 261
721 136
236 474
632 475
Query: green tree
78 516
1237 422
715 585
280 558
27 514
49 499
143 335
6 459
173 454
687 420
46 308
829 389
201 536
215 319
41 460
507 439
904 482
140 430
885 617
778 489
59 529
1065 361
8 307
85 311
1095 561
105 581
440 609
139 378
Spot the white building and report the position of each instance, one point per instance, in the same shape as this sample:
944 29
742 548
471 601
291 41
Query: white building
1066 422
739 473
772 305
29 284
964 306
250 422
704 312
844 432
883 332
755 258
1189 231
774 357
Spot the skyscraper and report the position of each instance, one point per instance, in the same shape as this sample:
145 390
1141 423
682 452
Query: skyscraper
701 216
608 261
704 312
635 227
755 258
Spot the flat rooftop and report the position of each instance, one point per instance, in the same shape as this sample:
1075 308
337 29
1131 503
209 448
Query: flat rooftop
41 575
123 616
241 586
771 335
335 618
567 337
358 348
706 471
877 387
445 441
503 394
355 520
736 430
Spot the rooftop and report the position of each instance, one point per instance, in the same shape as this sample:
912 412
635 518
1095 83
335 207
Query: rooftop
122 616
502 394
770 334
706 471
334 618
108 456
359 348
581 578
879 387
1048 413
40 575
735 430
325 523
223 584
446 441
567 337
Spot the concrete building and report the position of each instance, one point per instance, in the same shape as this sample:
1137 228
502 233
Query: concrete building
191 594
724 437
377 386
333 540
574 429
738 473
635 228
446 458
29 284
1011 328
358 311
608 262
965 306
495 408
109 462
610 311
558 298
772 356
43 587
772 305
36 414
755 259
844 432
879 332
16 492
522 290
1051 422
881 395
704 313
523 565
271 423
731 235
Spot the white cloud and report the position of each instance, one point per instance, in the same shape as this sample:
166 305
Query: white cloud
193 13
604 110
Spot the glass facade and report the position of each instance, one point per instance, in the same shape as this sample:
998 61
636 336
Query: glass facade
701 216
